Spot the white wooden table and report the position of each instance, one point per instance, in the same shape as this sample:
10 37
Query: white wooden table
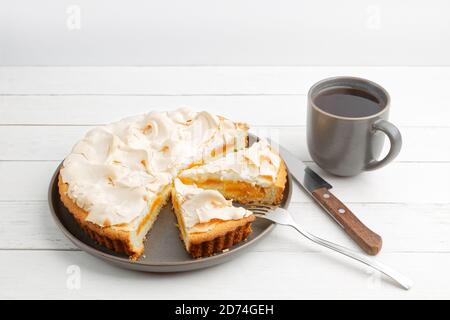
44 110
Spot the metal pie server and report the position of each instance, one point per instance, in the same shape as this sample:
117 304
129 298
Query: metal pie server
319 189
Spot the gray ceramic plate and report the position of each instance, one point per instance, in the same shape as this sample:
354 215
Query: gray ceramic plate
164 251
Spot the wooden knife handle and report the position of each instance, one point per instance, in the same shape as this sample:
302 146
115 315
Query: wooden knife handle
368 240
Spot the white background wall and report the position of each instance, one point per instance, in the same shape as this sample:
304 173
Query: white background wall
224 32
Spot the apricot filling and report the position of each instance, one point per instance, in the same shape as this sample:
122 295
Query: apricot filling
243 189
155 204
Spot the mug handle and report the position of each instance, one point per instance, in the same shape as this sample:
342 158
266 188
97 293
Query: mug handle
395 138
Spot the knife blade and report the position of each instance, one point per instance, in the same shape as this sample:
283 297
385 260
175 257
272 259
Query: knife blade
318 188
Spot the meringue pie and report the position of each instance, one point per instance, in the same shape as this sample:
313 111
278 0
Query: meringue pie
119 176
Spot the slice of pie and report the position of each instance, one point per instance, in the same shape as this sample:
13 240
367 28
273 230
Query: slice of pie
208 222
253 175
127 238
115 204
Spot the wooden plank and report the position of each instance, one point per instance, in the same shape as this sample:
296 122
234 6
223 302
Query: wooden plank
205 80
412 103
91 110
55 142
29 225
77 275
396 183
25 180
149 80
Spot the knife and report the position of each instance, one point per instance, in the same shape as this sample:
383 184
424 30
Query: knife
319 189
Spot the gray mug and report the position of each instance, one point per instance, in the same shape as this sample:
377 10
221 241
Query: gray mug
346 146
